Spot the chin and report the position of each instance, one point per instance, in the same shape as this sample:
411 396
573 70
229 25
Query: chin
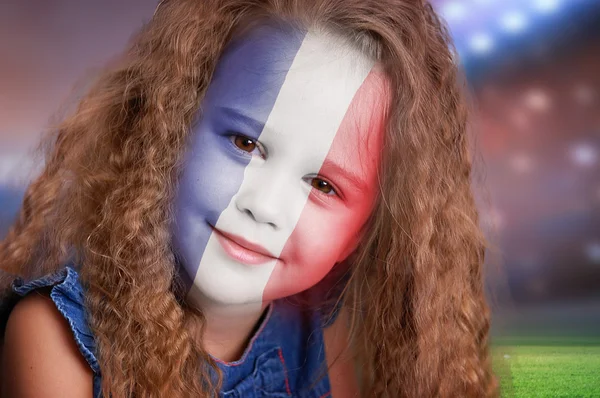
224 295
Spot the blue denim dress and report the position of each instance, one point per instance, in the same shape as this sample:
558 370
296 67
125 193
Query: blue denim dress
285 357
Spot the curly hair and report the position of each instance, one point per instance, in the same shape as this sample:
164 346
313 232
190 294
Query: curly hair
419 319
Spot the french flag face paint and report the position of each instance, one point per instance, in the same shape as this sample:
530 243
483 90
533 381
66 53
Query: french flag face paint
281 174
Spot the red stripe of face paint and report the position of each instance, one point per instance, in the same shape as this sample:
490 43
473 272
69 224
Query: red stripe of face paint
329 227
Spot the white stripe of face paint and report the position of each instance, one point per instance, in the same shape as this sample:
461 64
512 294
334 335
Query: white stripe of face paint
316 94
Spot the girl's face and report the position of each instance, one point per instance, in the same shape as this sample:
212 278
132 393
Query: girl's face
281 174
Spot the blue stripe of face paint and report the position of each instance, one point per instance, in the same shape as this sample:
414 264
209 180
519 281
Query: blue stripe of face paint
240 98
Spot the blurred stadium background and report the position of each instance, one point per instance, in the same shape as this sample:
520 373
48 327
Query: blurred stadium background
533 68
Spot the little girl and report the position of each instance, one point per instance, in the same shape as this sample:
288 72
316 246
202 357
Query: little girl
265 198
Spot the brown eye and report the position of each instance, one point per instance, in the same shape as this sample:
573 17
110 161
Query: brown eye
322 186
244 143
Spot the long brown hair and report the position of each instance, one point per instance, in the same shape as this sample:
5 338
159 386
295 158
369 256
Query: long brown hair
415 294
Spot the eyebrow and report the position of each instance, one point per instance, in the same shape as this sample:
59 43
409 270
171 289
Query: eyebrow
240 119
348 175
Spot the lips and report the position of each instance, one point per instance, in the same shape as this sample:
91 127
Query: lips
242 250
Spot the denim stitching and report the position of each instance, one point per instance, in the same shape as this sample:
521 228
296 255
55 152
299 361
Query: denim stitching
59 300
21 287
287 382
63 284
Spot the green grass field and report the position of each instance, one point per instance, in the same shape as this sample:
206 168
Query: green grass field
547 367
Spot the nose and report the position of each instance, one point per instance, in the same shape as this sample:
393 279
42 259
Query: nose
264 201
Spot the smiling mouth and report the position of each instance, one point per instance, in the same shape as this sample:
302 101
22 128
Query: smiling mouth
242 250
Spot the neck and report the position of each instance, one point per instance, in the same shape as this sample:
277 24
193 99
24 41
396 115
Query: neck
229 328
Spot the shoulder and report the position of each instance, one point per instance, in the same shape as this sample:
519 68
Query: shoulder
40 356
340 361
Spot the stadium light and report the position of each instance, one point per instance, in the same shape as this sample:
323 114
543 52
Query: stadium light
584 155
537 100
546 6
514 22
454 11
481 43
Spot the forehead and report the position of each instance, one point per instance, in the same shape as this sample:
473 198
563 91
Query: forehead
321 70
252 70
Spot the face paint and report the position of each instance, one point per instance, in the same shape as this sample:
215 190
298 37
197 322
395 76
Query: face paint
281 173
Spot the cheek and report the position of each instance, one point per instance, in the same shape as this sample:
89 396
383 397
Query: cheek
320 238
203 189
325 232
323 235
